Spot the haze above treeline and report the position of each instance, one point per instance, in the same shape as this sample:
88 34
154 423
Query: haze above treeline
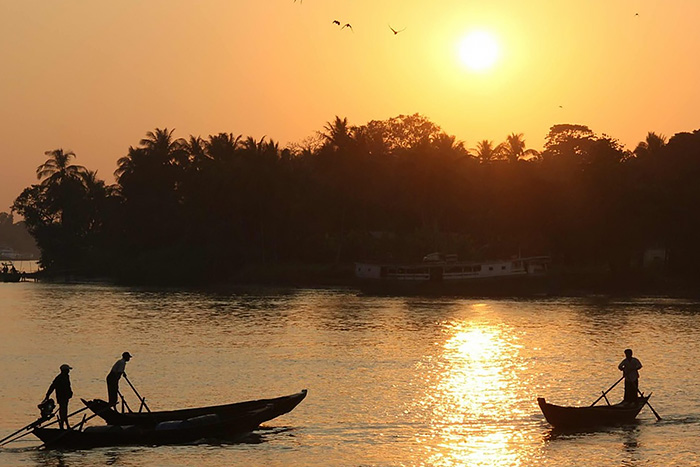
199 209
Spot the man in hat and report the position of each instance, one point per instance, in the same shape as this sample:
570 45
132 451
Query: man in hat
61 384
113 378
630 367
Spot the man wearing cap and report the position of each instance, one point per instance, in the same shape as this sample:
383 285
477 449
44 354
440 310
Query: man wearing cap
61 384
113 378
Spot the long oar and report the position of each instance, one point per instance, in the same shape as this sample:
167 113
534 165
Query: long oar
609 389
31 425
35 425
143 401
658 417
2 441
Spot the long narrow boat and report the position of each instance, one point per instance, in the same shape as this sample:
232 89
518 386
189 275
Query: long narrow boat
180 431
569 418
279 406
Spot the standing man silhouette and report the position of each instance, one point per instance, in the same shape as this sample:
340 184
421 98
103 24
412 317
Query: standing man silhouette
629 367
61 384
118 369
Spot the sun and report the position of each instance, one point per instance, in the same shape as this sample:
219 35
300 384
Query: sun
479 50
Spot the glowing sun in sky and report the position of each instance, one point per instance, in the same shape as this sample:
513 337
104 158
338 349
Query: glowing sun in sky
479 50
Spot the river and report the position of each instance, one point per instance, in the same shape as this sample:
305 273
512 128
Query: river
391 380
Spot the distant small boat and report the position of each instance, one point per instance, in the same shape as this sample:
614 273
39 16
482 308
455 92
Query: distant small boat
570 418
8 273
11 276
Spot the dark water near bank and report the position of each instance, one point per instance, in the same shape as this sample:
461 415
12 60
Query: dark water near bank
392 381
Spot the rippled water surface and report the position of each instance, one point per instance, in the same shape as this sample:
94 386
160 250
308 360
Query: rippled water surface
392 381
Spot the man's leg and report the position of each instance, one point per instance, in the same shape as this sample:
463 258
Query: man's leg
635 388
112 390
629 396
63 414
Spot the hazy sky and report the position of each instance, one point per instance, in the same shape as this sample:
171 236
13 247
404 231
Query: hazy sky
93 76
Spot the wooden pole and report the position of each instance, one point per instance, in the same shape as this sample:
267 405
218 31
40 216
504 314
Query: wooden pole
658 417
2 441
143 401
609 389
124 404
34 424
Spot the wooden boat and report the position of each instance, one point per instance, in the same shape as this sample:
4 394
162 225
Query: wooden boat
276 407
569 418
10 276
218 426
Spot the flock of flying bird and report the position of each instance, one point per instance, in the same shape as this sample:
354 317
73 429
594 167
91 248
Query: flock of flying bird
349 26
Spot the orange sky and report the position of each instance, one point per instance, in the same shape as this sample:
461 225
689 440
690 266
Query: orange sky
93 76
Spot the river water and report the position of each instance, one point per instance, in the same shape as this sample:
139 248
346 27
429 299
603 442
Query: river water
391 381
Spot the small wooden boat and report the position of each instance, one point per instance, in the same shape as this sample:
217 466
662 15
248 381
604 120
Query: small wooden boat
220 426
10 276
569 418
276 407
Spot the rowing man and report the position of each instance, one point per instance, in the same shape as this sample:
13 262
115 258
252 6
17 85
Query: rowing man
61 384
630 367
115 374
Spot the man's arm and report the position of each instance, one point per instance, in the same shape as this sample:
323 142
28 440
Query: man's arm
51 388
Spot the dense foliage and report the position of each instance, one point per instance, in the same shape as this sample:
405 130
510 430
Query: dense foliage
200 208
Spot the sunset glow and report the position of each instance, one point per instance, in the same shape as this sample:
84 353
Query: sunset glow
479 50
472 388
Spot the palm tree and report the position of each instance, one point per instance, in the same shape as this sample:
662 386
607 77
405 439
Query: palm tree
651 146
486 152
161 145
128 164
223 146
514 148
57 168
337 134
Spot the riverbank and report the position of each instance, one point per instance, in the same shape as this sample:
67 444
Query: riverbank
558 283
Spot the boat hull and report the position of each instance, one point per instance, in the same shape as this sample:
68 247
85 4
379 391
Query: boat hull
278 406
219 426
569 418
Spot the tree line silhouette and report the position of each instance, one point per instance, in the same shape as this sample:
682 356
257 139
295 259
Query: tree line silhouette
200 209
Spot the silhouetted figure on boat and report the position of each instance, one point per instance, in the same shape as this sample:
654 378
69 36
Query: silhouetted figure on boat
630 367
61 384
115 374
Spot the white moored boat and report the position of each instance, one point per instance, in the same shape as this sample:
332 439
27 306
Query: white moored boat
446 268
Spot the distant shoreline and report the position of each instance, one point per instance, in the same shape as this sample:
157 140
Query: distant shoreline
558 284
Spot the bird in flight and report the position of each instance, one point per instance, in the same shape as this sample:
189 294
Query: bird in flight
335 21
347 25
395 31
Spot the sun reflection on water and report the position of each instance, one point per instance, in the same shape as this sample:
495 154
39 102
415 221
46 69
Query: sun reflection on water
473 397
